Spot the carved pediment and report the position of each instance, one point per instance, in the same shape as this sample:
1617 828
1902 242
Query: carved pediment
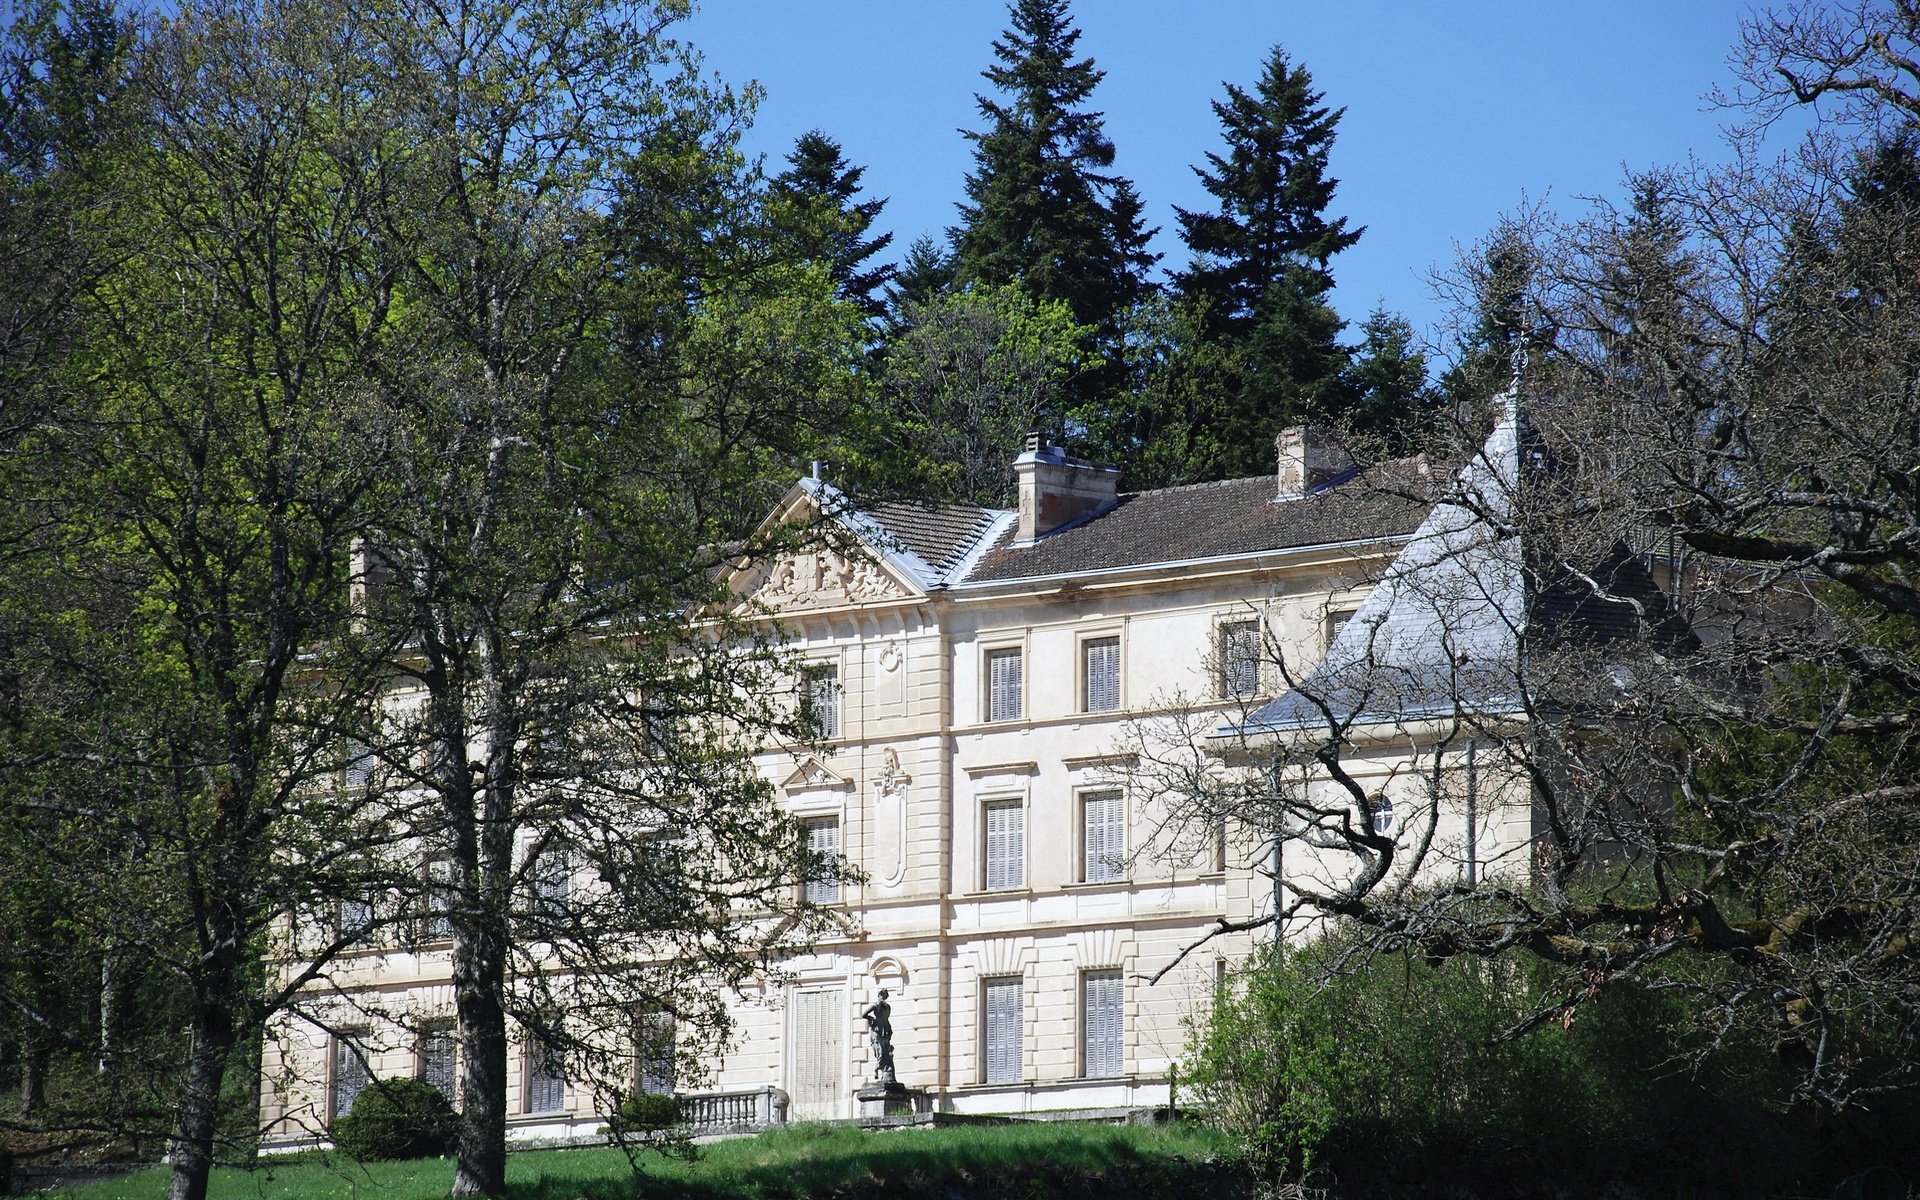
826 578
812 775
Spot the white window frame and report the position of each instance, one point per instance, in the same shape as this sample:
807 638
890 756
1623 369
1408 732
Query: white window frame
423 1063
1008 1064
1102 863
545 1070
1012 876
990 712
1104 1033
1085 648
1228 680
825 890
349 1059
552 881
825 697
655 1046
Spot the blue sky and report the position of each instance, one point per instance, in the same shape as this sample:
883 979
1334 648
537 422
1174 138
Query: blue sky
1455 111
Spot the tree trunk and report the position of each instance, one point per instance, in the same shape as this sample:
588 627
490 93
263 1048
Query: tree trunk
33 1076
479 980
192 1145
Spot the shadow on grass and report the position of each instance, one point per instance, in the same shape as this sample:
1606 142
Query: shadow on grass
1030 1162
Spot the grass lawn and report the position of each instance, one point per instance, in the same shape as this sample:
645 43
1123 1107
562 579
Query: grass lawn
1028 1160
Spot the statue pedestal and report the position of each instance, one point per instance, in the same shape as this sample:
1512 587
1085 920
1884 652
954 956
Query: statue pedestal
886 1098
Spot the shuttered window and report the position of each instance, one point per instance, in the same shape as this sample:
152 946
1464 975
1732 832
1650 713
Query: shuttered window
1006 845
349 1075
546 1079
1100 669
1101 1022
1003 684
654 1053
437 1061
1239 659
1000 1054
823 840
437 927
817 1024
823 698
552 883
1103 837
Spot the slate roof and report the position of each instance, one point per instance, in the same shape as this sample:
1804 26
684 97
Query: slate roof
1205 520
1448 626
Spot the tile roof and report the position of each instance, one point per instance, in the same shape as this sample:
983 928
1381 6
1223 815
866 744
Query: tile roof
940 536
1208 520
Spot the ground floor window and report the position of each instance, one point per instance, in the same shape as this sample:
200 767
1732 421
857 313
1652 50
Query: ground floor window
437 1058
546 1079
1101 1024
653 1055
349 1074
1001 1057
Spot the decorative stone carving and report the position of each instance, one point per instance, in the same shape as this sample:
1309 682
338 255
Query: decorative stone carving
890 820
825 578
891 658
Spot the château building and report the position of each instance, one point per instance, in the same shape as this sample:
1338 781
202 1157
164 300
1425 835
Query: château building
975 672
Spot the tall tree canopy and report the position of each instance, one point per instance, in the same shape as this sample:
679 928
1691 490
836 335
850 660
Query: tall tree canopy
1257 344
830 224
1043 207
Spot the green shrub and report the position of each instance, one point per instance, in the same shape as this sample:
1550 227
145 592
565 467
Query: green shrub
646 1112
1368 1067
397 1118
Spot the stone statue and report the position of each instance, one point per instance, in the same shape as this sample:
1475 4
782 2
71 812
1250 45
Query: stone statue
880 1037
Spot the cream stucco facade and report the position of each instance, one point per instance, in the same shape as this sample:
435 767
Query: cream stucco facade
987 664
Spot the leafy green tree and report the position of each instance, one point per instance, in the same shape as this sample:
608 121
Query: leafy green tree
1043 208
830 225
971 376
601 406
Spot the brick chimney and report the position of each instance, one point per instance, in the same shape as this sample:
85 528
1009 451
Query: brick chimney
1308 457
1055 489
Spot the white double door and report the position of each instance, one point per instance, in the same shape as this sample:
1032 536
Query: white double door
817 1053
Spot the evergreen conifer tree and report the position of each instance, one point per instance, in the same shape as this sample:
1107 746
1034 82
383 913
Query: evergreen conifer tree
1264 336
830 225
1043 208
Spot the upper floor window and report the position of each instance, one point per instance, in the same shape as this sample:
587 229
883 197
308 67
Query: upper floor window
823 840
1004 684
1103 836
821 699
1100 674
1006 845
1239 659
552 882
1382 820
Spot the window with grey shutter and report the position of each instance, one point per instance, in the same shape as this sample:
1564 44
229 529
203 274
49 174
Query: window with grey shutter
1003 684
437 1061
349 1075
1006 845
1000 1032
1100 669
438 927
823 840
552 882
823 698
1101 1024
1239 659
546 1079
654 1053
1103 836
